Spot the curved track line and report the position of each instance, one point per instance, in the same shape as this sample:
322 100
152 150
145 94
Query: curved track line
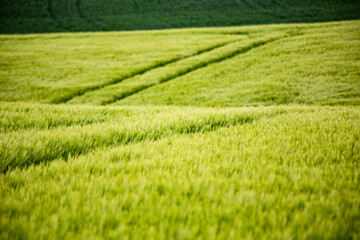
196 67
32 158
66 98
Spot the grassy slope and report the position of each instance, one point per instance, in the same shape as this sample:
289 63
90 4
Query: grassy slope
50 67
241 66
174 172
317 64
160 173
17 16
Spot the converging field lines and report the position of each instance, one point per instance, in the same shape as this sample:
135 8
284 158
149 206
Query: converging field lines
161 64
218 55
164 71
137 82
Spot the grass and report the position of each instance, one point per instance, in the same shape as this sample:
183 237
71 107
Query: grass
259 65
316 64
203 133
28 71
35 16
275 172
20 149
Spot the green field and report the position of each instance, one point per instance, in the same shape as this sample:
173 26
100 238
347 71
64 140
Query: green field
224 67
179 172
242 132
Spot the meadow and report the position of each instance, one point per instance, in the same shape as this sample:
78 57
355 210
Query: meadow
242 66
288 172
246 132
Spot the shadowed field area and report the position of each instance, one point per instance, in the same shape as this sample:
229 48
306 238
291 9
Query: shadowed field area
31 16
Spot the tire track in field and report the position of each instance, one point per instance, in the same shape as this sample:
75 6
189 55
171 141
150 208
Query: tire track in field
46 146
80 92
49 124
196 67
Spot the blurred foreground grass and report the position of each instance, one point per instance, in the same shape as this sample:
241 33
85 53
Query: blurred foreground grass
183 173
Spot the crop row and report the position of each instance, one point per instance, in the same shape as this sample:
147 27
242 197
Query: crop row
38 144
